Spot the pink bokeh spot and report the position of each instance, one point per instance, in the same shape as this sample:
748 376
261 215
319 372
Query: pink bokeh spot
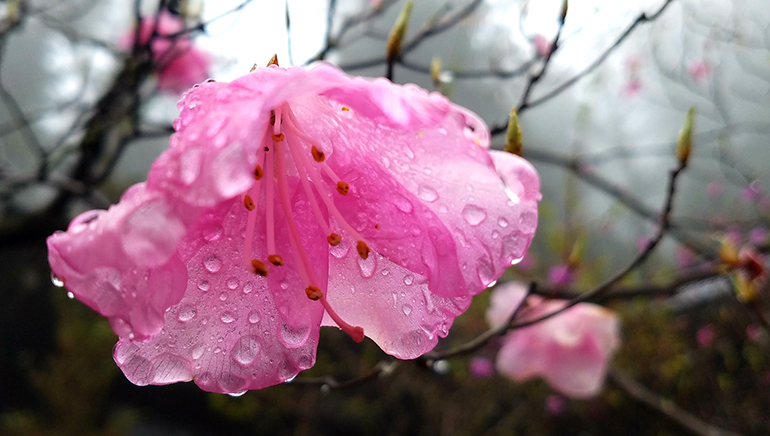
482 367
698 70
542 45
715 188
561 275
571 351
385 206
706 336
180 64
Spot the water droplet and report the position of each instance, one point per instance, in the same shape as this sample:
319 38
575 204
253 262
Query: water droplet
212 264
223 296
197 352
402 203
427 194
443 209
284 285
341 250
232 283
385 271
204 286
237 394
253 317
495 234
368 266
246 350
502 222
408 153
474 215
408 279
528 221
294 336
56 280
186 313
305 362
70 295
248 287
407 309
291 379
227 317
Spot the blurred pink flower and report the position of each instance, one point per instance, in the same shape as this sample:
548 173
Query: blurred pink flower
179 64
632 88
706 336
715 188
698 70
289 198
561 275
570 351
759 236
642 243
752 192
556 405
482 367
754 332
685 258
542 45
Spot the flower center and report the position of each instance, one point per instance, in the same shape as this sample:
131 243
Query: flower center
287 138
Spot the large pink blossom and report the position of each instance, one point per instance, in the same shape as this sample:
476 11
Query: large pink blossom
292 197
180 64
570 351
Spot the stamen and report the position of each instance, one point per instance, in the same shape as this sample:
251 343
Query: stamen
259 267
328 170
345 108
269 211
363 249
278 137
273 60
251 218
258 173
357 333
318 155
248 202
313 293
334 239
343 188
275 259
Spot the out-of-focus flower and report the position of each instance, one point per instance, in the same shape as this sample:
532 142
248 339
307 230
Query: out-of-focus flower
482 367
179 63
715 188
759 236
556 405
754 332
632 88
698 70
561 275
685 258
542 45
706 336
570 351
292 197
752 192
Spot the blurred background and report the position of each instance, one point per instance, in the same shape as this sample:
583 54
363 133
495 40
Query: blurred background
84 111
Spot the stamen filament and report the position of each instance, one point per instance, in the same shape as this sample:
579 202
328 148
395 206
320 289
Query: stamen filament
357 333
251 218
269 200
308 191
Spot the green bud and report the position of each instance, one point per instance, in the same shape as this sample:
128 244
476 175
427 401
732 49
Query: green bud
684 143
435 71
513 135
393 48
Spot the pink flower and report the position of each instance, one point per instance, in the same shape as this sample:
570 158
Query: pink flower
482 367
561 275
570 350
542 45
365 205
179 64
698 70
759 235
706 336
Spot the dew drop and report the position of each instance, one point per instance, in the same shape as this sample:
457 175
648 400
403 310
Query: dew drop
223 296
367 266
294 336
495 234
237 394
284 285
291 379
232 283
427 194
473 214
502 222
385 271
341 250
186 313
197 352
248 287
407 309
70 295
212 264
402 204
253 317
246 350
227 317
56 280
204 286
408 153
408 279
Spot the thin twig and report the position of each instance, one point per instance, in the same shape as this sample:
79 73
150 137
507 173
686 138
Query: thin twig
688 421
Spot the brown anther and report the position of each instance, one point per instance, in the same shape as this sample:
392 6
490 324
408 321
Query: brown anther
275 259
273 60
313 293
278 138
345 108
259 267
363 249
334 239
343 188
259 173
318 155
253 68
376 226
248 202
272 118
